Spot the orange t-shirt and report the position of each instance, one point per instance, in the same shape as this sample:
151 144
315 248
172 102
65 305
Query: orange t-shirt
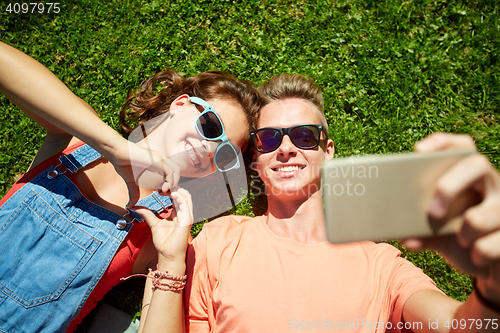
247 279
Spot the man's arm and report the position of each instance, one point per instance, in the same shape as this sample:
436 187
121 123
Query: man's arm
471 189
440 313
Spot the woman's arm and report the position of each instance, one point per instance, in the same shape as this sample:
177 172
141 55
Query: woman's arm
163 310
43 97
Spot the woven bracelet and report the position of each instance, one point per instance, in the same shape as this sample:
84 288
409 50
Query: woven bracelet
178 282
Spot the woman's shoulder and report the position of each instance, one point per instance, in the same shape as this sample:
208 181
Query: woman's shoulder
54 145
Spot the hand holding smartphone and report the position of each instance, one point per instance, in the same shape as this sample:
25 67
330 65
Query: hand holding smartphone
383 197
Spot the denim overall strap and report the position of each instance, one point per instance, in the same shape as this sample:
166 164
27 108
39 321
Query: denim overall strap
154 202
56 245
80 158
85 155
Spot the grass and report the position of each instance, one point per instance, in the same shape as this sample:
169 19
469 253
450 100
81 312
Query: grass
392 72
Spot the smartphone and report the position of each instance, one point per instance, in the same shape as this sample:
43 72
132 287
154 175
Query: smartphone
384 197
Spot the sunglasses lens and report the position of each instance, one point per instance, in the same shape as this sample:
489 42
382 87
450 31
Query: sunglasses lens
226 157
267 140
209 125
305 137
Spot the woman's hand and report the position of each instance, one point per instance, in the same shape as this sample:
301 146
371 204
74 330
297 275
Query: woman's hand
470 189
141 167
171 236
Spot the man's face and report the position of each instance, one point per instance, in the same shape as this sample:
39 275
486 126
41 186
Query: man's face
291 171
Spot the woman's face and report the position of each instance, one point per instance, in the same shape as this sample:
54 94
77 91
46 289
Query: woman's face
178 139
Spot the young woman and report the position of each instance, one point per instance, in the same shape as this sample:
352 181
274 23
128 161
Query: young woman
66 234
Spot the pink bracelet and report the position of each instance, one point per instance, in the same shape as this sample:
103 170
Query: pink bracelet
177 285
179 282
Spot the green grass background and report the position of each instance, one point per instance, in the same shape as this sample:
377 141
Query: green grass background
392 71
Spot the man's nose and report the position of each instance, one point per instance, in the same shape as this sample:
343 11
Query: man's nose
287 147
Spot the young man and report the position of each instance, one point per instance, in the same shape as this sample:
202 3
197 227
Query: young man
277 272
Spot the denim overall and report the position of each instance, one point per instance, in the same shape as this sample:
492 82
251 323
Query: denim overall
55 245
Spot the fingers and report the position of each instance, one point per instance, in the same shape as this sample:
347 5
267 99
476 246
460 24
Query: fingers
479 221
448 247
443 141
133 192
467 174
184 209
472 175
148 216
170 238
183 205
485 251
152 170
481 232
171 174
470 190
161 175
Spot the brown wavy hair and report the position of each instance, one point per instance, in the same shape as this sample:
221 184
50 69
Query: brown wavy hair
155 95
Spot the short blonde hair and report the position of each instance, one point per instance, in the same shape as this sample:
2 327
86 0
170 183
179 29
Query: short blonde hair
284 86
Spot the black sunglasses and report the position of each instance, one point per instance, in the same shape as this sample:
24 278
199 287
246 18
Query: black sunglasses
269 139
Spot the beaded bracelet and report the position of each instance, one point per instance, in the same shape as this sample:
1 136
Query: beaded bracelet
179 282
487 303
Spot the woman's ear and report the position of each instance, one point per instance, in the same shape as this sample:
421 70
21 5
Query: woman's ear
178 103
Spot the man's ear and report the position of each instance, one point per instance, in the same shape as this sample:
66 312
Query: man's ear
330 150
178 103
